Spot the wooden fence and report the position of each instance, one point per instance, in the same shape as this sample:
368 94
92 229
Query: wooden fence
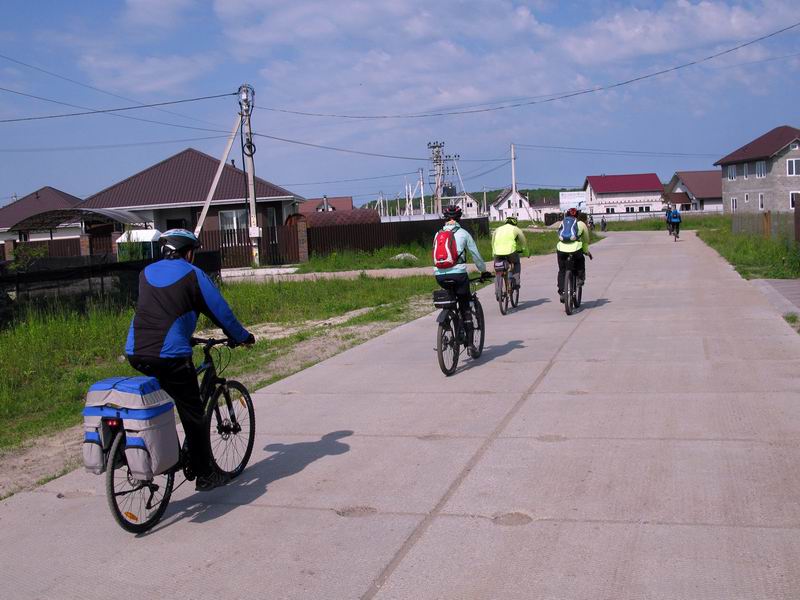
775 225
277 246
56 248
372 236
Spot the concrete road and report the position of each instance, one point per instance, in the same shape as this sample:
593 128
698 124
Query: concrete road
645 447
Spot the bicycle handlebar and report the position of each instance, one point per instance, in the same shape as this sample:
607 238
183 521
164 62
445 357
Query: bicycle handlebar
210 342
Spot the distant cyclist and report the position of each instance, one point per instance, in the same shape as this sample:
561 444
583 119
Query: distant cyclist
507 242
667 214
573 239
172 293
675 221
450 267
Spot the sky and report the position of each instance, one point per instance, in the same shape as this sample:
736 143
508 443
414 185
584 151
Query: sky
390 58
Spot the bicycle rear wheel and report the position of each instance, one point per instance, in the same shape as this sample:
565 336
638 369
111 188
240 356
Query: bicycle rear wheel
479 331
569 292
515 297
135 505
231 421
578 295
504 294
447 350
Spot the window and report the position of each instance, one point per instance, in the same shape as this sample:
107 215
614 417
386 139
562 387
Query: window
176 223
794 146
731 172
745 173
610 210
733 204
646 209
629 209
794 198
509 204
761 169
233 224
793 167
746 198
686 207
761 202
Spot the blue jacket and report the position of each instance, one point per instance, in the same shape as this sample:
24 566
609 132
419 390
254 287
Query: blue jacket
172 293
674 216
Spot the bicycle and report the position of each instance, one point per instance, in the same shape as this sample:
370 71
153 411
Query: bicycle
675 231
138 505
503 290
573 285
451 333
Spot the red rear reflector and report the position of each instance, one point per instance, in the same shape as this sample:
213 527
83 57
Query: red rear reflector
113 422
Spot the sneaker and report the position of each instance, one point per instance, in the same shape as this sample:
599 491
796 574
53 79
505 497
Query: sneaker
561 297
206 483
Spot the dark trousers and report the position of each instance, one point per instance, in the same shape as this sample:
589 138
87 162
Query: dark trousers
458 284
178 378
579 262
676 227
516 274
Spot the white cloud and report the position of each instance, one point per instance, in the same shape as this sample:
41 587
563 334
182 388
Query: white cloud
162 14
145 75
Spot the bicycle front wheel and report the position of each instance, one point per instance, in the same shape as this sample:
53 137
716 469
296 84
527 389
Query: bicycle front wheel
447 349
231 422
135 505
515 297
578 295
479 330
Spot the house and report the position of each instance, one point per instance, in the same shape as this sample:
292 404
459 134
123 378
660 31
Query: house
336 203
619 194
470 207
695 191
764 174
539 207
42 200
172 192
510 203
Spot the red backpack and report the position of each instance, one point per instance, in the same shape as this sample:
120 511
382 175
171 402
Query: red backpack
445 250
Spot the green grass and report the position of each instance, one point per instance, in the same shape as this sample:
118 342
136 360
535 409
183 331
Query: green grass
754 256
690 222
792 318
352 260
50 357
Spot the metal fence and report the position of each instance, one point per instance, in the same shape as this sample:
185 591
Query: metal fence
373 236
277 246
775 225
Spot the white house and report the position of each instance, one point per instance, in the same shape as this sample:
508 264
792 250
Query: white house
470 207
510 203
623 194
567 200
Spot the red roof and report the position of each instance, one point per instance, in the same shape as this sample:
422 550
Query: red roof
678 198
338 203
40 201
762 147
702 184
184 178
624 184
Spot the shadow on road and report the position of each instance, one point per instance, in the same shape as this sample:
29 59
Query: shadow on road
287 460
489 354
531 303
596 303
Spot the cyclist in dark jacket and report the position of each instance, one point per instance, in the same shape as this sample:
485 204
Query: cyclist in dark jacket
172 293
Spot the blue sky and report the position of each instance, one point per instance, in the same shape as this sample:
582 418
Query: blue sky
362 57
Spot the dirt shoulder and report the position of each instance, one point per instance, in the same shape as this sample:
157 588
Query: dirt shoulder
42 459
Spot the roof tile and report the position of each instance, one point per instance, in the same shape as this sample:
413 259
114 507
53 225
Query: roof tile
42 200
762 147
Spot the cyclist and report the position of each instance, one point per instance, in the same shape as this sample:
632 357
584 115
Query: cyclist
577 247
667 214
171 294
455 278
675 221
507 242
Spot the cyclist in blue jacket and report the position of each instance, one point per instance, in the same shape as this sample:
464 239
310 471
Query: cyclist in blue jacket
675 221
172 293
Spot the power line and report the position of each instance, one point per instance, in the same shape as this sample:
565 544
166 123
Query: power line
362 153
347 180
110 146
105 110
96 89
500 166
616 152
551 186
546 100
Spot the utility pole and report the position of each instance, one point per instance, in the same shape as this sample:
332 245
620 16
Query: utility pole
438 169
514 179
246 98
485 210
421 192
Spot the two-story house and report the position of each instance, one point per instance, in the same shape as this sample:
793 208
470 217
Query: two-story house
510 203
763 174
617 194
695 190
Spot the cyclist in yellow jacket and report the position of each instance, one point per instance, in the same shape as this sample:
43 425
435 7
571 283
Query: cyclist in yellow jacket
578 245
507 242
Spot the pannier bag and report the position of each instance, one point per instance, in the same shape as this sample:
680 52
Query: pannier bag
146 412
500 265
444 299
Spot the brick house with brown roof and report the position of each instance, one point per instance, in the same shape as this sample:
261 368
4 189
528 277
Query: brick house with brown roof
764 174
695 191
171 194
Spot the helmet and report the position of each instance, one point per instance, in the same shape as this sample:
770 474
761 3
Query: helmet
572 212
452 212
177 242
512 220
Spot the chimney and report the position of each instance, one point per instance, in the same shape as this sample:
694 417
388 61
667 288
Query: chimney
233 163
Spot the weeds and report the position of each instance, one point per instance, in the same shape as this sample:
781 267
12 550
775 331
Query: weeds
754 256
